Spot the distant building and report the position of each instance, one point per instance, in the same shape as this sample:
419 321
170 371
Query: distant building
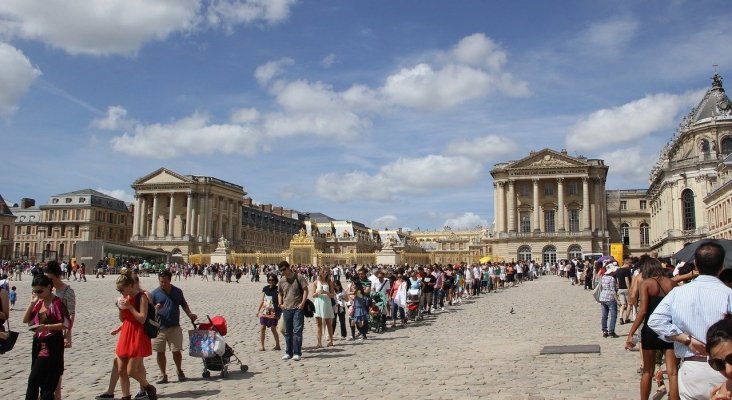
448 246
628 218
52 231
7 230
718 203
549 206
686 184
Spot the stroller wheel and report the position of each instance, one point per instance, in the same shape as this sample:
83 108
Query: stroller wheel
206 374
224 373
244 368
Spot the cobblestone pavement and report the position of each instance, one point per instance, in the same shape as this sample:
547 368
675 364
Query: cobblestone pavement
477 349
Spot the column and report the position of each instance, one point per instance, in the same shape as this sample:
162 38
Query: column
560 203
189 214
154 222
501 207
585 204
136 218
220 228
495 206
603 209
208 220
537 208
598 205
511 208
171 217
230 231
142 226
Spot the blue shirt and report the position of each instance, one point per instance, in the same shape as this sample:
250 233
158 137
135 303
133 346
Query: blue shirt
691 308
170 312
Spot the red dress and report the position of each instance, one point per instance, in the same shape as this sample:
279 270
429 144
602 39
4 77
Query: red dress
133 342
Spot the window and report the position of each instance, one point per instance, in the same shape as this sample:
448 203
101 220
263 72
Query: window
645 235
572 188
82 199
525 219
524 253
687 210
52 214
623 205
549 221
68 200
54 201
643 205
548 189
727 145
550 254
64 215
574 251
625 233
574 225
523 188
704 147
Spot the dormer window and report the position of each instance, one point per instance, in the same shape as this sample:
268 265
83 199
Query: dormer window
68 200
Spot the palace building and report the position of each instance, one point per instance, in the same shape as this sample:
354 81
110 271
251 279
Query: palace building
549 206
7 230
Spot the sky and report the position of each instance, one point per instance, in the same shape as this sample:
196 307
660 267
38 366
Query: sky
389 113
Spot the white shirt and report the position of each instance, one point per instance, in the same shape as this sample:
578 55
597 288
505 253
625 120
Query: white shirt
468 274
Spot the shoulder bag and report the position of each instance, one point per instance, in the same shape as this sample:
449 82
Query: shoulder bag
309 309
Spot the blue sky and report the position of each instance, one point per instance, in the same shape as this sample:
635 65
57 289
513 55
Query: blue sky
390 113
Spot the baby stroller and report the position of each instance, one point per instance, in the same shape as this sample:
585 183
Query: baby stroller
377 312
413 311
207 342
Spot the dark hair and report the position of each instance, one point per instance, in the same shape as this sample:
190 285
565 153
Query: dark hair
686 268
709 257
165 274
720 331
726 275
283 264
53 268
273 277
42 280
12 288
337 286
651 268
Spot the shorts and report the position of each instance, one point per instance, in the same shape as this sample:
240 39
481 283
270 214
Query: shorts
623 297
172 336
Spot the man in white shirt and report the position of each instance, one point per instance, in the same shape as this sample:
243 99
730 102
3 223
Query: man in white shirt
476 279
684 316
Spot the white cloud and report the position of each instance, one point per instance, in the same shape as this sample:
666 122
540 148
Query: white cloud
16 76
99 27
482 148
480 51
631 164
119 194
270 70
610 36
244 116
328 60
466 221
630 121
116 119
405 176
192 135
385 222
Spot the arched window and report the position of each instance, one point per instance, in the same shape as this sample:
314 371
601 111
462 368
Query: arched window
574 251
625 233
645 235
524 253
704 147
550 254
726 145
687 210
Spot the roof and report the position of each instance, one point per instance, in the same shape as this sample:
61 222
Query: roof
4 209
320 217
715 103
87 192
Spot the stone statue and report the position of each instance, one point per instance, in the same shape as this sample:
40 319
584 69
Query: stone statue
223 243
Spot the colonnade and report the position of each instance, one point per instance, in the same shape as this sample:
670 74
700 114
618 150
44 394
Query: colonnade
207 216
507 210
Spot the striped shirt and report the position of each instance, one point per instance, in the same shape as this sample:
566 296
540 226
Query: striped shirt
692 309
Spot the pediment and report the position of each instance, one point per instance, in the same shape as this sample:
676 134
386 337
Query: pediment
547 159
162 175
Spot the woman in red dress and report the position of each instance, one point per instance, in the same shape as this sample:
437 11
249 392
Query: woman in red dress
133 343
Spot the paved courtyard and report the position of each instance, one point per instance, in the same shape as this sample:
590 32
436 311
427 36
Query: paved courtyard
474 350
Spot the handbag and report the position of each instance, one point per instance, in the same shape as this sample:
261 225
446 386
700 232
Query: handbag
8 344
596 291
309 309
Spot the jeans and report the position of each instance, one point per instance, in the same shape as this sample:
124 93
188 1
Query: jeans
294 322
612 308
438 298
395 309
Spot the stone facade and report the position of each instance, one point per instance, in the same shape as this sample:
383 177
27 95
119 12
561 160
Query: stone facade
628 219
187 214
549 206
53 230
450 246
684 184
7 230
718 204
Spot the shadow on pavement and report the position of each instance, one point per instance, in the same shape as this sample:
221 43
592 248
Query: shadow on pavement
188 394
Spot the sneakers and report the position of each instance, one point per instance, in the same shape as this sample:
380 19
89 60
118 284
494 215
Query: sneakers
296 358
152 393
141 395
604 334
162 380
350 338
286 357
106 395
660 392
613 335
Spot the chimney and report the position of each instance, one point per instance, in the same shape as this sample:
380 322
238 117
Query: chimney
248 201
27 203
267 208
277 210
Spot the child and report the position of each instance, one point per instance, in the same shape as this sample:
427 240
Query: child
13 296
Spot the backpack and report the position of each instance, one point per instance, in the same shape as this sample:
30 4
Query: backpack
152 323
309 309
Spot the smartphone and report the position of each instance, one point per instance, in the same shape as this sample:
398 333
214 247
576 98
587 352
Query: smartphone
33 327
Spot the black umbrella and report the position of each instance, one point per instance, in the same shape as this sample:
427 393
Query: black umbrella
687 253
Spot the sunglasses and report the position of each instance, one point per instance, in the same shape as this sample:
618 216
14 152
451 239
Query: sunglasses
719 365
37 291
